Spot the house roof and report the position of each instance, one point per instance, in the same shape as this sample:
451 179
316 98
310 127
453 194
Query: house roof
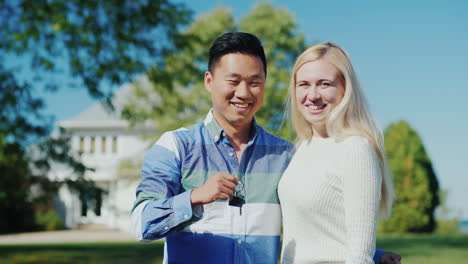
98 116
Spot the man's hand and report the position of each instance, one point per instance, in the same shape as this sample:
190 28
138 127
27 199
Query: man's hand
219 187
390 258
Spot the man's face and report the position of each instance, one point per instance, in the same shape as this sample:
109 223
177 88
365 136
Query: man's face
237 86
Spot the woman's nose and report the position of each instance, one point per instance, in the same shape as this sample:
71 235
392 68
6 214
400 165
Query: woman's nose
312 94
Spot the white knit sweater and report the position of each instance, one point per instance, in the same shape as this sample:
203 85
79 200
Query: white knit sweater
329 198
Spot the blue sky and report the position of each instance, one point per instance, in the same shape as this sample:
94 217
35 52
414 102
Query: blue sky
411 57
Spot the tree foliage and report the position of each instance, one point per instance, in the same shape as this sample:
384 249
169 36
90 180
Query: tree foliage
98 41
97 44
14 186
415 183
15 103
175 95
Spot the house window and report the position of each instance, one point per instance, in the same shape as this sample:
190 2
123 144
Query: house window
98 204
81 145
84 205
84 209
103 145
93 145
114 144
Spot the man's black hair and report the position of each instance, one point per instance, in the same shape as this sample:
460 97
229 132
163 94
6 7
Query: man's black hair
236 42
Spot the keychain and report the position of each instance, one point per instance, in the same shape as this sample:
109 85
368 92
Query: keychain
238 198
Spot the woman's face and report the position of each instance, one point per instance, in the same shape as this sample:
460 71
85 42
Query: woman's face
319 89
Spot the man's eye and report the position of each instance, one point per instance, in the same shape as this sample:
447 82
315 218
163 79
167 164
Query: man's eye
233 81
326 84
302 84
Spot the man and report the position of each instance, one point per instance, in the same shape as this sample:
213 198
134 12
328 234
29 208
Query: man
211 190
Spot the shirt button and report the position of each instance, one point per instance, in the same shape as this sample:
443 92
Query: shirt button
185 217
239 241
166 228
231 154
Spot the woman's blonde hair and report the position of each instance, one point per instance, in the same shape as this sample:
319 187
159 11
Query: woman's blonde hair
351 117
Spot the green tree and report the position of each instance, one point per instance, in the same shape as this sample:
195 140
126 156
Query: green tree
415 183
174 95
14 187
15 102
24 170
98 44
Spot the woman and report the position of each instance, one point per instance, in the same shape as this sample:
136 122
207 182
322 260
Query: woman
337 183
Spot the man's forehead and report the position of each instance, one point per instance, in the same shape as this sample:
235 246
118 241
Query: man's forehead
235 64
238 75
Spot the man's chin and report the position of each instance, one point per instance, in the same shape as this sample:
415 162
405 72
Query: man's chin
235 119
240 120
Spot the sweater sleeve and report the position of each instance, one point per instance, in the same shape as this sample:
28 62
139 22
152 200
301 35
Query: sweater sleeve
361 192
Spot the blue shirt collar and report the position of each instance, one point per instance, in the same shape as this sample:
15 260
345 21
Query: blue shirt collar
217 132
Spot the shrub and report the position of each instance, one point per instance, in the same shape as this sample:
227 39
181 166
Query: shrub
48 220
448 227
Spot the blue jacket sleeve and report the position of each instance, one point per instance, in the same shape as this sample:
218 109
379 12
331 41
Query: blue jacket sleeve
162 205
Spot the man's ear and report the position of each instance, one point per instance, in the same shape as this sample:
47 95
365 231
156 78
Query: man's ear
208 81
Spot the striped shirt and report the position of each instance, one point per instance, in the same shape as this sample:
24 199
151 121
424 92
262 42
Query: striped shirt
185 159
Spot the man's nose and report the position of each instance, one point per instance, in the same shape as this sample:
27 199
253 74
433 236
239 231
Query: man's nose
242 90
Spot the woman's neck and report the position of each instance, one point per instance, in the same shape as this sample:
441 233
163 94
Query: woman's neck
320 131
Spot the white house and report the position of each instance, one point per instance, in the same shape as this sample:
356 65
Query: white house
104 140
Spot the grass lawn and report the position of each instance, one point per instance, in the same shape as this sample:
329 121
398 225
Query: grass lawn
87 253
415 249
427 249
